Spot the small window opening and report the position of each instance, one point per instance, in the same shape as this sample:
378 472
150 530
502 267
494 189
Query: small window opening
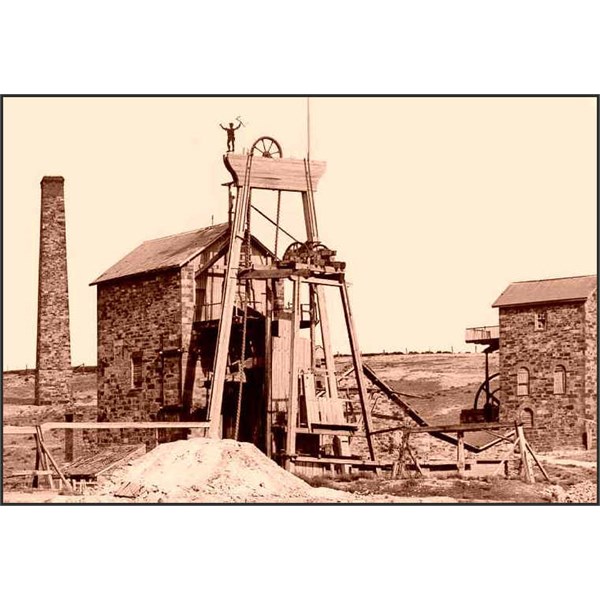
560 380
522 382
136 370
540 321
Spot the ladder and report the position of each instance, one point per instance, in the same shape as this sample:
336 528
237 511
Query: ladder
236 238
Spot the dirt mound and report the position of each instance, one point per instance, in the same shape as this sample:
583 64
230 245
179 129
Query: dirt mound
214 471
201 470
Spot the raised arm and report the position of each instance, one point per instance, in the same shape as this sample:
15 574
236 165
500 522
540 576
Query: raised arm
221 125
239 125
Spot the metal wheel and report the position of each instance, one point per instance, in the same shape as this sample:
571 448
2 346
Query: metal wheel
493 392
293 251
267 147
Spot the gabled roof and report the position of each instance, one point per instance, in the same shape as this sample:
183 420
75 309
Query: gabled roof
164 253
547 290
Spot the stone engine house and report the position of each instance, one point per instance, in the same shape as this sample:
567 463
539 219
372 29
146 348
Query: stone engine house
158 313
548 359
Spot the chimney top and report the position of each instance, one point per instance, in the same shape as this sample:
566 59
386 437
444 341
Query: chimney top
52 186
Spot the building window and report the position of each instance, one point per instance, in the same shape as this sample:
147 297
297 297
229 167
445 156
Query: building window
560 380
136 370
540 321
522 382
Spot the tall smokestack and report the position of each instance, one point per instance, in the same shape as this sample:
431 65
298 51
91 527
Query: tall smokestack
54 371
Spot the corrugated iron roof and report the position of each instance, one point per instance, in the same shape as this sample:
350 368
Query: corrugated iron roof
164 253
547 290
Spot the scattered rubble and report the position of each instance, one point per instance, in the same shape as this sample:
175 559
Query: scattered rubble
580 493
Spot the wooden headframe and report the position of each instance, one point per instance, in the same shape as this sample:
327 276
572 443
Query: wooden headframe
287 174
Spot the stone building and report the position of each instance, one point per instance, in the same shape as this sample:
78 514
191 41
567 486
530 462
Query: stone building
548 359
158 312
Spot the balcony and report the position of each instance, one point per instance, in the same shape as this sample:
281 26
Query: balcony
483 335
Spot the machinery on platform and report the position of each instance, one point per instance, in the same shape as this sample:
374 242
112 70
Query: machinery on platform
486 406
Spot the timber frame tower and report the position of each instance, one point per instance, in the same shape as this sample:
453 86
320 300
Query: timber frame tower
313 412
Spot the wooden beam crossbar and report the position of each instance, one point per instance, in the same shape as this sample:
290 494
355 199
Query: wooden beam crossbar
31 430
461 427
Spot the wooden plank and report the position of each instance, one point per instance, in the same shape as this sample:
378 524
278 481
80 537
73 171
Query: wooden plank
460 453
18 430
127 425
336 411
393 395
537 462
287 174
230 283
281 362
324 280
342 461
30 473
464 427
528 475
312 405
358 368
292 412
506 456
414 459
324 429
332 390
270 273
103 460
268 386
56 468
43 454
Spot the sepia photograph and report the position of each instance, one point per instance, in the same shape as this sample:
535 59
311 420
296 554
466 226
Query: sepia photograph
300 299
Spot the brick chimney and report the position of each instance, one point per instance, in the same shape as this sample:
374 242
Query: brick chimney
54 371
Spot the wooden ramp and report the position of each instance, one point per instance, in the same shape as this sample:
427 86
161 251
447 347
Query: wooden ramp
90 467
478 446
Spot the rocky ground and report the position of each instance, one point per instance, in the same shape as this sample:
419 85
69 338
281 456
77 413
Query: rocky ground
230 472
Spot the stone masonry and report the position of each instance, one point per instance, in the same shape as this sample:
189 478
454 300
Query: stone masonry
139 320
591 368
567 341
54 372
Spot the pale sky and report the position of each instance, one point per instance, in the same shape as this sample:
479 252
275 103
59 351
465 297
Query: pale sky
436 204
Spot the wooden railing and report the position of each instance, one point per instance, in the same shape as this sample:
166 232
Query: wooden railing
476 335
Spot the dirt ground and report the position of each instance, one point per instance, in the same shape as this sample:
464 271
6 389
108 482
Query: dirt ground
446 383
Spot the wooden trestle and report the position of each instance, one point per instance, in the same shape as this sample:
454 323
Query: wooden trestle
257 172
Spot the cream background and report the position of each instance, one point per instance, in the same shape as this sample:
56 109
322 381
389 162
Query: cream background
436 204
434 46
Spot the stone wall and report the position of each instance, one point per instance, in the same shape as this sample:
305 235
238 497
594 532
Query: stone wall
557 418
54 373
139 319
591 367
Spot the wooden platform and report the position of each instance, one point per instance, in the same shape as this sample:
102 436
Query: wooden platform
312 466
286 174
90 467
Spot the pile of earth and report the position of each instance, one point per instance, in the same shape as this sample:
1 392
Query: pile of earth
215 471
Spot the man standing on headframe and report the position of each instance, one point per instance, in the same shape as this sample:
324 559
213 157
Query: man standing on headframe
231 135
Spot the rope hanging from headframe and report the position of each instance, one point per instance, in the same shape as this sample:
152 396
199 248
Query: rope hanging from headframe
277 221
